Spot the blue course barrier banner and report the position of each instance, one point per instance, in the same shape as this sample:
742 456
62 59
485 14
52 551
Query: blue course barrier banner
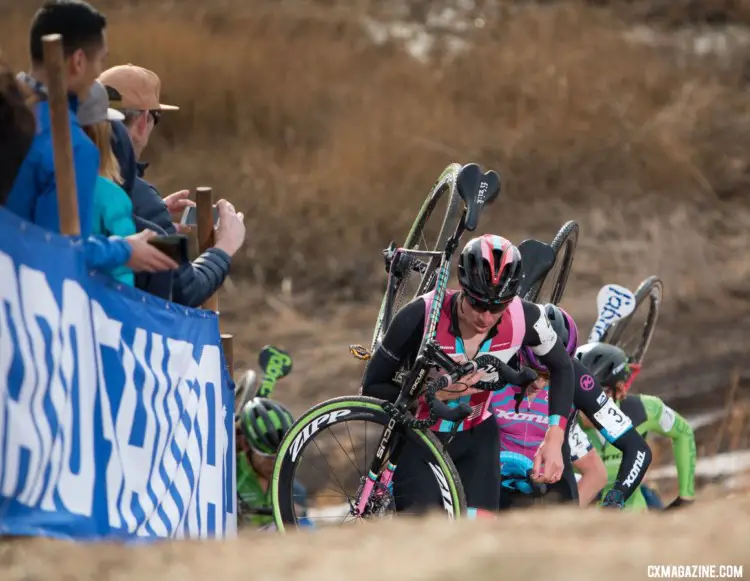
116 409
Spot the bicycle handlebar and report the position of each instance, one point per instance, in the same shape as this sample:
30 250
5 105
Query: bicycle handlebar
440 408
487 363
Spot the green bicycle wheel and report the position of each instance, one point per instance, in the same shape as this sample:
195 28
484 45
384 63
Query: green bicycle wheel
342 422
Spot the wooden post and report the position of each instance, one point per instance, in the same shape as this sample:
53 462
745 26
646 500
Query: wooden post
65 176
205 225
227 344
205 222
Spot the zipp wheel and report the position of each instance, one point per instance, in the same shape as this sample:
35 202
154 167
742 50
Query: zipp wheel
330 449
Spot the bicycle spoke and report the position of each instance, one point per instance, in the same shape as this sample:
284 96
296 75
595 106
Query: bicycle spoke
329 466
347 453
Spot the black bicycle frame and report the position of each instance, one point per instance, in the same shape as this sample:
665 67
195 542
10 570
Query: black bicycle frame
428 356
477 190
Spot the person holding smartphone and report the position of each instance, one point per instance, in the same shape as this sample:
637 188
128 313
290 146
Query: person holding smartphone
136 92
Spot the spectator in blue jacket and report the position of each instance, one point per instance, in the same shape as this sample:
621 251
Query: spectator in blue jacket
113 210
34 194
136 92
159 283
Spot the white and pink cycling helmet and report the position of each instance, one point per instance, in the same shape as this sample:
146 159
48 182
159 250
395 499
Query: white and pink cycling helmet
566 330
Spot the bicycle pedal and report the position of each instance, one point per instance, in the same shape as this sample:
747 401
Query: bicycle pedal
359 352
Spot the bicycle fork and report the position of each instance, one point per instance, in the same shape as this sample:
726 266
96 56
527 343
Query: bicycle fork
381 471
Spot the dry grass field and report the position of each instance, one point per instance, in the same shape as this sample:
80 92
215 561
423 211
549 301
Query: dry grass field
329 141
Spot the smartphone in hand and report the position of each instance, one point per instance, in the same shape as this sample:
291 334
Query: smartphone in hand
190 216
173 245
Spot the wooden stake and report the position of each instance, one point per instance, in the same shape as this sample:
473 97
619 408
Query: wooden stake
227 344
65 176
205 225
205 221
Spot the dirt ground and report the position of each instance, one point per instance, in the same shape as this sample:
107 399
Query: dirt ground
559 544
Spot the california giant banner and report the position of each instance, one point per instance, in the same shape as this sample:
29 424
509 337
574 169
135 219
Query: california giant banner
116 409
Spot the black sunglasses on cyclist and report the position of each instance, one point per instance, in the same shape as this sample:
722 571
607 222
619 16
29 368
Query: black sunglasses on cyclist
482 306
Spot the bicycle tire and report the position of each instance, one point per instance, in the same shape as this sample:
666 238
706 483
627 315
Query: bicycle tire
565 241
652 289
357 407
445 183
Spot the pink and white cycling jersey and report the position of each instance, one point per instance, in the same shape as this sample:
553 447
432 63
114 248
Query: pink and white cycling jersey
522 431
503 344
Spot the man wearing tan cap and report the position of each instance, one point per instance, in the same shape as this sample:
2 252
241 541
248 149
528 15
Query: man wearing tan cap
137 93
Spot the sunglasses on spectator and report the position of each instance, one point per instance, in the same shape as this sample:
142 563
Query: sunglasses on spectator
155 115
482 306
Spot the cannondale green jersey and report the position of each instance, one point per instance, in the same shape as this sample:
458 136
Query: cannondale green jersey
250 494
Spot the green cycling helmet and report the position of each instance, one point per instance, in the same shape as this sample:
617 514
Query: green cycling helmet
264 423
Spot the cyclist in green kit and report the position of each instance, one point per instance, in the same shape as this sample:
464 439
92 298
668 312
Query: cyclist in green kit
262 423
649 414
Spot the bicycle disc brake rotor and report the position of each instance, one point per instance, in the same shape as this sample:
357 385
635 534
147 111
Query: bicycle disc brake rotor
381 503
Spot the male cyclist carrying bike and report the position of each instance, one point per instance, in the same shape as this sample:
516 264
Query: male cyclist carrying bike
522 421
262 424
484 317
612 368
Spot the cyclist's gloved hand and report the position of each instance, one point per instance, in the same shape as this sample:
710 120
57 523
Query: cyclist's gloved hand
678 503
614 499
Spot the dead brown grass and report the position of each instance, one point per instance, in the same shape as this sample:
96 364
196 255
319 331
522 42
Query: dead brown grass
570 544
329 143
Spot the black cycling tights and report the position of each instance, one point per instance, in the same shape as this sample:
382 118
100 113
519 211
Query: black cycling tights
476 454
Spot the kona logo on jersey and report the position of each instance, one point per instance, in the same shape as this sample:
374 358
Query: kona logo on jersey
636 469
614 302
313 428
521 416
445 492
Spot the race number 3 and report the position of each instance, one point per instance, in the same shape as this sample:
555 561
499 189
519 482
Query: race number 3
614 423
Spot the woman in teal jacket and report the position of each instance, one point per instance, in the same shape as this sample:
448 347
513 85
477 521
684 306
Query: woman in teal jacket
113 211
